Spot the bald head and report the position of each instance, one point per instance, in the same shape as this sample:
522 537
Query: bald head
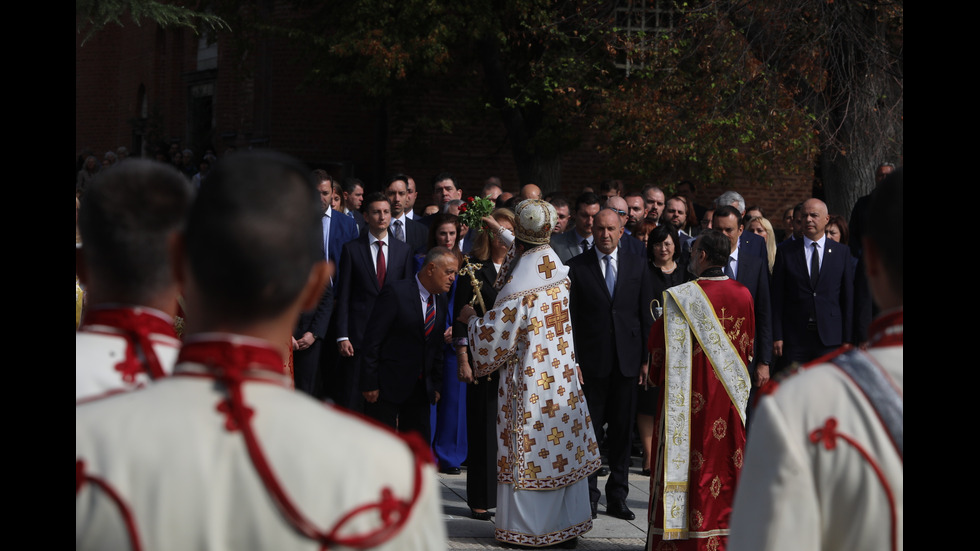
815 218
530 191
620 207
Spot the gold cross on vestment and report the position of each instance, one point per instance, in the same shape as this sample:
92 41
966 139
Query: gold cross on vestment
546 266
546 380
572 400
556 436
532 470
723 318
553 292
539 353
562 345
557 318
550 408
536 325
560 463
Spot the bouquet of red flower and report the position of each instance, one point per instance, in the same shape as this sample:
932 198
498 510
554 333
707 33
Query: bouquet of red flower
473 212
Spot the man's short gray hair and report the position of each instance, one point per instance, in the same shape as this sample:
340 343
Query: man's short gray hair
732 198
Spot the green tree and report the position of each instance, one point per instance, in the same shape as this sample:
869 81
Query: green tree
92 16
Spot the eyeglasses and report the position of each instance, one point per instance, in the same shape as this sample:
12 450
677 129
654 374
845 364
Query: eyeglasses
619 212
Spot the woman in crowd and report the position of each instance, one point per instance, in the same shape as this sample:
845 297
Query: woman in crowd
762 226
837 229
669 268
489 251
449 414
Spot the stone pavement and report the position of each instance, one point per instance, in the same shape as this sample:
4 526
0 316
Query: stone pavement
607 532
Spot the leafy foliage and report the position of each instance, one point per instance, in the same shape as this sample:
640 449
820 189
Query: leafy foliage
92 16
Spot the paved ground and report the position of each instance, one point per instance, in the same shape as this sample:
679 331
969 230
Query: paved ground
607 532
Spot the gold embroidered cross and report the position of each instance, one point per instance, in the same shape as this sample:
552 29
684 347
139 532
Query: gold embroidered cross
486 333
501 354
528 443
572 400
529 371
543 453
560 463
553 292
723 318
536 325
556 436
502 463
568 373
579 454
562 345
510 315
546 266
550 408
532 470
527 416
576 427
545 381
557 318
539 353
592 446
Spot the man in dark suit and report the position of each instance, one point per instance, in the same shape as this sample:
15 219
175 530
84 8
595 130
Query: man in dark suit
578 239
749 243
754 274
402 227
353 197
402 369
311 327
812 291
610 307
627 243
362 276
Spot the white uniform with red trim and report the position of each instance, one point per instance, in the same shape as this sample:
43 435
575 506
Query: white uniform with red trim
177 465
103 365
821 471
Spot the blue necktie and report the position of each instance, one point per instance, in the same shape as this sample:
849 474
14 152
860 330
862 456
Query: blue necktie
399 232
610 275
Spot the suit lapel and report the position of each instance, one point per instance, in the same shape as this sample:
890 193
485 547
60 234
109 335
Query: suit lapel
597 272
370 260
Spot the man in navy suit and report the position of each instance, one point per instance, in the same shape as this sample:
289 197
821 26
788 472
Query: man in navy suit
353 197
402 369
402 227
311 327
578 239
628 242
812 291
754 274
609 301
362 276
749 243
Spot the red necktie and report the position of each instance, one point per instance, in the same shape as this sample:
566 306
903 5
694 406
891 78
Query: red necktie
430 316
381 264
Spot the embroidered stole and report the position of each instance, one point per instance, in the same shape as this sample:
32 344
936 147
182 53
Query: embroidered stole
687 311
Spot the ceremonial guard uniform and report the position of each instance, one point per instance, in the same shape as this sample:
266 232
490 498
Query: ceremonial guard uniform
122 348
225 455
546 444
824 465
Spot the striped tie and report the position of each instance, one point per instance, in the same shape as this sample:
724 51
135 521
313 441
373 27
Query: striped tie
430 316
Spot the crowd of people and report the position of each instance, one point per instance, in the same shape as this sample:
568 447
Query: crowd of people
532 347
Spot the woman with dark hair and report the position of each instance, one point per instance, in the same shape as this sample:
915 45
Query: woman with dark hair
448 415
489 250
669 268
837 229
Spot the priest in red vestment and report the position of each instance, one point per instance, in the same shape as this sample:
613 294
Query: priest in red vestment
700 348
